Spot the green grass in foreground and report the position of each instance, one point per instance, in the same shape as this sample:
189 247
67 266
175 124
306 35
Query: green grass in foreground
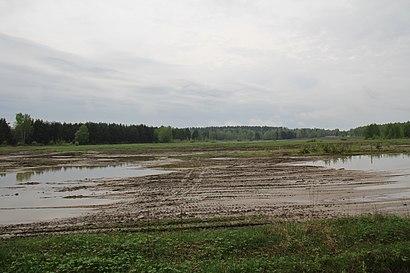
355 244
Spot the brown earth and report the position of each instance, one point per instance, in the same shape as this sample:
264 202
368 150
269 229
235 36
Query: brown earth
202 187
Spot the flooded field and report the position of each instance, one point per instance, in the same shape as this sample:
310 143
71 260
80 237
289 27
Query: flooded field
392 162
112 194
396 166
47 193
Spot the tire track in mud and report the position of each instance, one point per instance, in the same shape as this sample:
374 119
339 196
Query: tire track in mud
239 186
231 187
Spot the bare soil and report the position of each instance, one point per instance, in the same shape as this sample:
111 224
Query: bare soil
202 187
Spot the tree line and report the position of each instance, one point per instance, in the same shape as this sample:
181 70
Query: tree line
25 131
386 131
242 133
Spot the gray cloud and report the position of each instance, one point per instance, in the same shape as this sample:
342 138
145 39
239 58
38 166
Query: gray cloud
190 63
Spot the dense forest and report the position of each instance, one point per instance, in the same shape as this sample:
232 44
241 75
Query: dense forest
260 133
386 131
25 130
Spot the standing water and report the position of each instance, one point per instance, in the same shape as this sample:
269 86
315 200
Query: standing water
397 165
37 194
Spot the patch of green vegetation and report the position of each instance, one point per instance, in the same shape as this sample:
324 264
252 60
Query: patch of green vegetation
314 147
356 147
174 146
354 244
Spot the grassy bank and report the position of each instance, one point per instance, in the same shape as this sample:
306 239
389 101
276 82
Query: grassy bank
355 244
236 148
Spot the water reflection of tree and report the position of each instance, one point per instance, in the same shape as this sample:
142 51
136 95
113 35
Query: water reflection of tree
21 177
25 176
335 160
371 157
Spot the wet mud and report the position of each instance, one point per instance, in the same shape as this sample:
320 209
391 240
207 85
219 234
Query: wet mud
201 187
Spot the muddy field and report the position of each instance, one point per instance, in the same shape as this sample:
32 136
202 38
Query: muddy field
201 187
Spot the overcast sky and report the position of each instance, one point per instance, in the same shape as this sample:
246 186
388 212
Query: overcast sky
294 63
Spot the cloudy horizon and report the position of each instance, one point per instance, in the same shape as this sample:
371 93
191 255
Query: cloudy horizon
326 64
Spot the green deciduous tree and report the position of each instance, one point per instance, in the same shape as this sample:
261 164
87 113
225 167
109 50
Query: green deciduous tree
164 134
406 129
195 135
372 131
393 130
23 127
82 135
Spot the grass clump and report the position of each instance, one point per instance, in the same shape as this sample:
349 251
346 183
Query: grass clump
353 244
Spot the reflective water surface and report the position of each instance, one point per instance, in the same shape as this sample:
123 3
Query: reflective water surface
397 164
36 194
73 173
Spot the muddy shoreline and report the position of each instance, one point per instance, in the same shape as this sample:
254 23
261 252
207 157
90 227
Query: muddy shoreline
201 187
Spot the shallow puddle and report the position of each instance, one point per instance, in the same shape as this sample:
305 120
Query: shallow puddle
400 162
37 194
396 166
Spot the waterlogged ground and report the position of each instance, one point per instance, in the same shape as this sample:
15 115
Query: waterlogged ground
394 167
198 186
46 193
